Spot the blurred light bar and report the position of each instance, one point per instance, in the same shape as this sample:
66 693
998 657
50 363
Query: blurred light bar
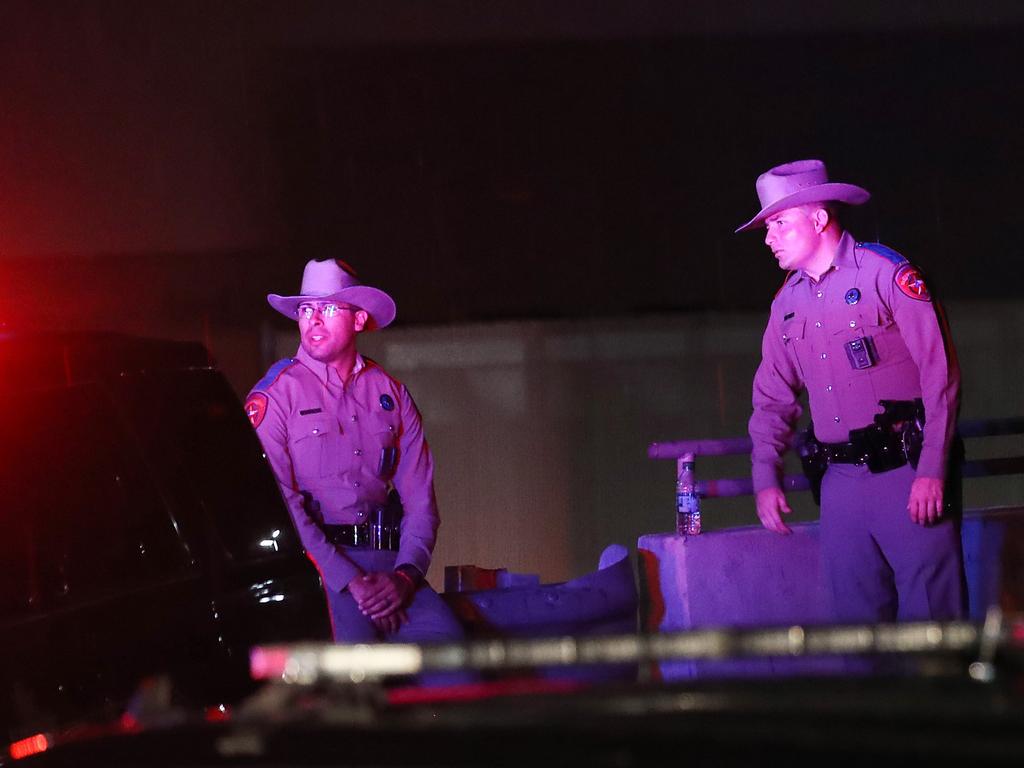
33 745
305 664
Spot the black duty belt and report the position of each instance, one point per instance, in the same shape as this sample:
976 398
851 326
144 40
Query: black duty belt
368 535
879 450
845 453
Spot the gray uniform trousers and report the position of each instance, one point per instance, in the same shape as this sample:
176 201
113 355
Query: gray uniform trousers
430 620
880 565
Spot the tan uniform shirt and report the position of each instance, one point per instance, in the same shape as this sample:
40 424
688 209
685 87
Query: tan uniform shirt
346 444
869 292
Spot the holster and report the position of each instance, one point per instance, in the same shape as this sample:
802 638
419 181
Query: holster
813 460
905 418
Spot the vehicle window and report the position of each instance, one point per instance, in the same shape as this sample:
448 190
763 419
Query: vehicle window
81 518
194 432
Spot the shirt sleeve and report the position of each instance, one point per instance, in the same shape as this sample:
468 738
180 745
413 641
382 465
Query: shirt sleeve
335 568
922 324
777 385
414 480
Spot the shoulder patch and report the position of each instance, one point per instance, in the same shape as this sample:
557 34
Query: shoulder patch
274 373
256 408
884 251
910 280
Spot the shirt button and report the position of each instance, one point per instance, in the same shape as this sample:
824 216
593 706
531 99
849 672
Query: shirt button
358 452
817 324
828 388
356 483
836 419
823 355
853 323
391 428
820 294
316 431
354 417
784 337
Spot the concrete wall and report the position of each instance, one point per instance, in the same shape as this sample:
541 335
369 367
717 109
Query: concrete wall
540 429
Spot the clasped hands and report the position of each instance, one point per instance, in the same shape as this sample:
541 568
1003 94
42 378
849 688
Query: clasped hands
382 597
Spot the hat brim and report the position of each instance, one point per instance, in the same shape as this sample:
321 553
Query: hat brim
377 304
820 193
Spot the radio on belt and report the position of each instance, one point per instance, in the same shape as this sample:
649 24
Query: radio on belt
861 352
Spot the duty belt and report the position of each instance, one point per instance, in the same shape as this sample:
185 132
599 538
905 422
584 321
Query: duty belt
881 451
366 535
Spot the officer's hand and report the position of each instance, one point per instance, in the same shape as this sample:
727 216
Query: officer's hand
770 503
388 625
925 504
381 594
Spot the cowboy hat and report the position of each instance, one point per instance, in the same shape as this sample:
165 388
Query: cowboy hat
793 184
334 280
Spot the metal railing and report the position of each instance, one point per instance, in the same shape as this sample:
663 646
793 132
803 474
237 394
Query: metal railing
687 451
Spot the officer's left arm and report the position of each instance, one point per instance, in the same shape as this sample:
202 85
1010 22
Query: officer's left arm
414 480
922 324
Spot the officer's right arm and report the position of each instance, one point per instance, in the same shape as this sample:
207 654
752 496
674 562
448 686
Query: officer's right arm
777 385
335 568
771 505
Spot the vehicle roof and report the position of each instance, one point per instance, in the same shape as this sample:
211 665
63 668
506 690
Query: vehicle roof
38 360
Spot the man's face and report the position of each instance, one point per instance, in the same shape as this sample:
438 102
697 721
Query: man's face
792 236
327 337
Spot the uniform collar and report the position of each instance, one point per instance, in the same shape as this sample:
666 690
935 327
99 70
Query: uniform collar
324 372
844 258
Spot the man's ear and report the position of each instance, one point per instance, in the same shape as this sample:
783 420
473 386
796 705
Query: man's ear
821 218
360 318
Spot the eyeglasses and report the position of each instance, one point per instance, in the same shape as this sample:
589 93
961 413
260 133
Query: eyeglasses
306 311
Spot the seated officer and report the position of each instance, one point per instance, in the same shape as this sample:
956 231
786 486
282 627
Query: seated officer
340 433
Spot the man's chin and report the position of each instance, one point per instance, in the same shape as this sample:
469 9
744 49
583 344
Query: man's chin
318 352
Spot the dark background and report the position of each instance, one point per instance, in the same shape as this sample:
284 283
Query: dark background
485 160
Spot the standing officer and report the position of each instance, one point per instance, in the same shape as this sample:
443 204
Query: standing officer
339 433
855 325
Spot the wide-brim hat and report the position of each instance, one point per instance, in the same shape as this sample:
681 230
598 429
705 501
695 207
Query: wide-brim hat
804 181
334 280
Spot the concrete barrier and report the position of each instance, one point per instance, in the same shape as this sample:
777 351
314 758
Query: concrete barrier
747 577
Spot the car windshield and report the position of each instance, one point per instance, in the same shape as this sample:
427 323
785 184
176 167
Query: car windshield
80 514
194 434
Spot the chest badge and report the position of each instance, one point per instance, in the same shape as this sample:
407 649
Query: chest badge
852 296
387 402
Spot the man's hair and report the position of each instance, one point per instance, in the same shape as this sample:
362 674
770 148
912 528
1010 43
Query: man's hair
830 207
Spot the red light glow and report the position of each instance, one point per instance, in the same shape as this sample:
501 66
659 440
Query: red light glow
33 745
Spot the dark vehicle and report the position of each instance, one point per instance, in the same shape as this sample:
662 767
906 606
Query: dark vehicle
314 714
143 531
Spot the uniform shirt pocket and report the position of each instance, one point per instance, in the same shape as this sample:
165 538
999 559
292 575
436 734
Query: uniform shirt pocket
310 441
386 442
793 335
872 322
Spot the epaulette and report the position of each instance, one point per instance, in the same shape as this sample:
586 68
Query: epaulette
274 374
884 251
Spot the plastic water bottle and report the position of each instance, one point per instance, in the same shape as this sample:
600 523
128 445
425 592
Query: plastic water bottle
687 501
